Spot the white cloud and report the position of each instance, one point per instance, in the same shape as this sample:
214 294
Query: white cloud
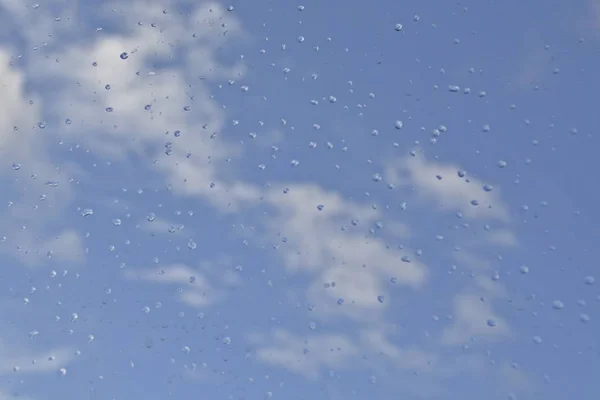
196 290
361 266
471 316
25 362
451 193
324 351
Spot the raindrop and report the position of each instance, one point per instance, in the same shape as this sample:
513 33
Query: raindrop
558 305
524 269
584 317
398 27
124 56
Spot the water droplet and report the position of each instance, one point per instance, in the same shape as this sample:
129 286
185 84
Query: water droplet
558 305
226 340
124 56
41 125
398 124
16 166
87 212
62 371
501 164
491 323
52 183
524 269
191 244
381 299
537 339
116 222
398 27
151 217
589 280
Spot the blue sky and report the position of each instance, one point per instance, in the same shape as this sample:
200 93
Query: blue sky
324 200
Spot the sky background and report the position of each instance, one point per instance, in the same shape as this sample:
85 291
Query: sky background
299 200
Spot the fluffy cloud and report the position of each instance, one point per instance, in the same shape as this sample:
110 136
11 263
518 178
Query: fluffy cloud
441 184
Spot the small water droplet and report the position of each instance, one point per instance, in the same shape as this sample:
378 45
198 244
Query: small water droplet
558 305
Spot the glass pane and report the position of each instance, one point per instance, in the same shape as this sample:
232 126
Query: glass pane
298 200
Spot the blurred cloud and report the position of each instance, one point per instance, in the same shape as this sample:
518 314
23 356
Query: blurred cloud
195 289
441 184
291 352
473 317
332 245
